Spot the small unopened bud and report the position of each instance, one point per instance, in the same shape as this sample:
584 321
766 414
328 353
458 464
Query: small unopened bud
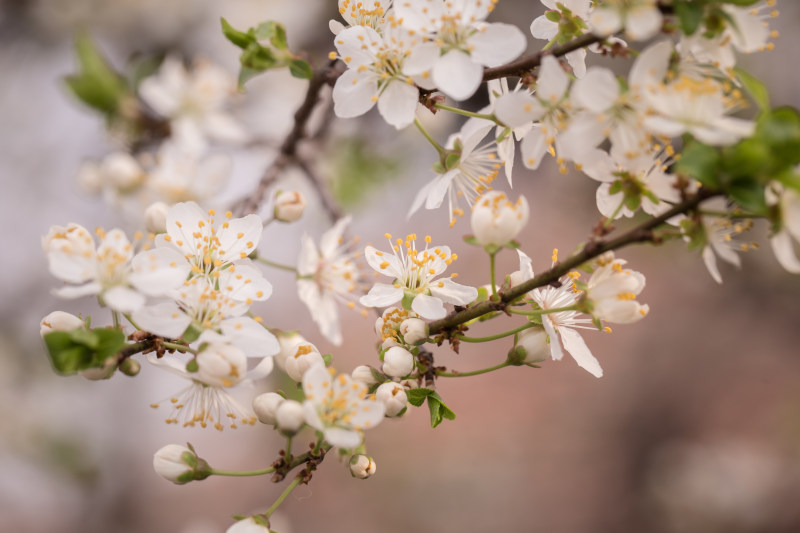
155 217
304 356
250 524
289 416
288 341
122 170
365 375
414 330
266 405
362 466
180 464
289 206
60 321
130 367
393 397
496 220
90 177
531 346
398 362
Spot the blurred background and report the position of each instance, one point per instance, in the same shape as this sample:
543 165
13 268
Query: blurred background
695 426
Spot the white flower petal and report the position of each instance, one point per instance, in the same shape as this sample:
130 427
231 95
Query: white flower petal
343 438
456 75
381 295
453 293
123 299
428 307
354 93
783 248
398 103
575 345
496 43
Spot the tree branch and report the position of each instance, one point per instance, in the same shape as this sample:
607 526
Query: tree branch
522 66
641 233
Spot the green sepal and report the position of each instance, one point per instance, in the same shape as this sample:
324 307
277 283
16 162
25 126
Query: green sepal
438 167
192 333
452 160
516 356
470 239
408 298
690 15
553 16
328 358
378 376
754 87
300 68
189 458
192 366
615 187
513 245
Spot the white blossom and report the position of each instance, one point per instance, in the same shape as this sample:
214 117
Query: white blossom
414 273
393 397
612 291
641 19
787 201
338 406
301 358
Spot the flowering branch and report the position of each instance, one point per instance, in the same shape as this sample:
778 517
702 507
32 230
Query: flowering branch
641 233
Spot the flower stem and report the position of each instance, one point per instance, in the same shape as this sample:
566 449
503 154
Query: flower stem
288 456
456 374
421 128
249 473
538 312
182 348
276 265
293 485
129 319
492 273
466 113
496 336
115 319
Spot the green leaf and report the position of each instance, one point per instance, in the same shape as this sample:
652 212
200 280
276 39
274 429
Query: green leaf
452 160
690 15
275 32
438 409
110 341
299 68
780 129
754 87
98 85
750 195
416 397
66 356
239 38
700 162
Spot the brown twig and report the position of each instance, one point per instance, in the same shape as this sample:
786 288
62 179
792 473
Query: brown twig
641 233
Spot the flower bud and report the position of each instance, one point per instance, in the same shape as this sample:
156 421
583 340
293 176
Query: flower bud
398 362
393 397
304 356
289 416
414 330
129 367
364 374
155 217
288 341
60 321
90 177
533 343
249 525
221 365
496 220
179 464
362 466
122 170
289 206
266 405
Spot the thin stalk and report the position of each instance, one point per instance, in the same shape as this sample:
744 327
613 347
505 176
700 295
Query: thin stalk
539 312
492 272
250 473
466 113
295 482
456 374
182 348
276 265
439 148
497 335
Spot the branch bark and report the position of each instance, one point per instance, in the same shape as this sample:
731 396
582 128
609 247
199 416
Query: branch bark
641 233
